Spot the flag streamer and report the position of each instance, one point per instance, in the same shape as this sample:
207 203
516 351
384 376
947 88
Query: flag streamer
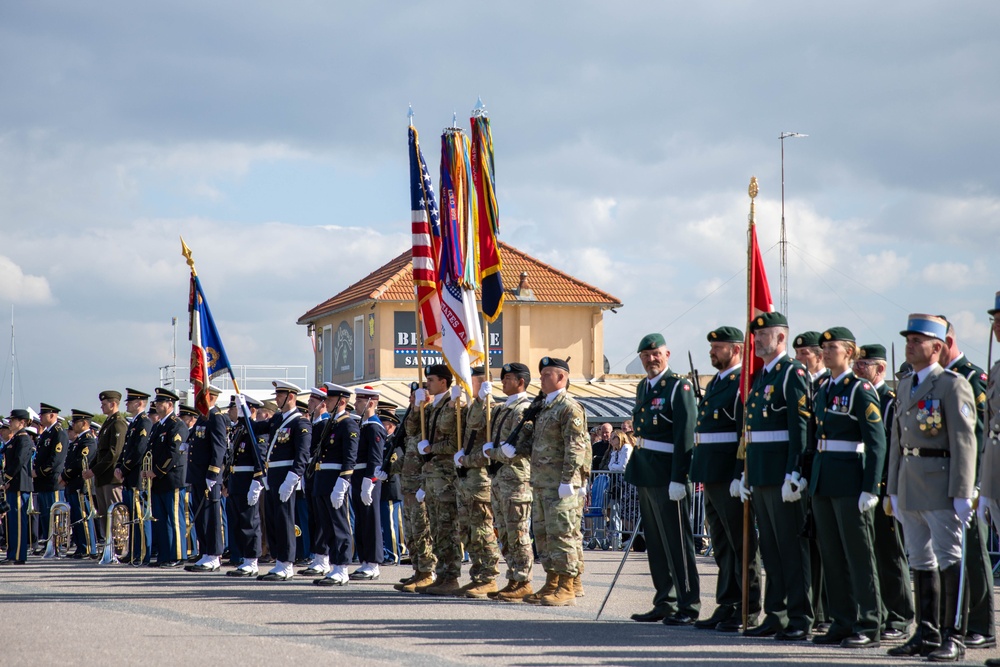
488 218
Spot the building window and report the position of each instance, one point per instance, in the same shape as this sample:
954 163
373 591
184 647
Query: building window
359 347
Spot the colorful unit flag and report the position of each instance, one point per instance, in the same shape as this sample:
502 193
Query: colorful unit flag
426 243
208 356
488 215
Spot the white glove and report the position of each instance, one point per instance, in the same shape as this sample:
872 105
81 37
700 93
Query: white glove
254 494
508 450
677 491
287 487
745 490
210 483
984 503
485 390
582 491
241 401
867 502
420 396
458 458
420 495
456 392
565 490
734 488
486 449
381 474
894 502
367 486
798 484
789 495
339 492
963 508
423 446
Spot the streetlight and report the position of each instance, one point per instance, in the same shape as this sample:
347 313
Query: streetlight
784 240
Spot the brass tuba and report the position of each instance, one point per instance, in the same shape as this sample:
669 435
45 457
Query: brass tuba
31 505
59 531
88 491
116 534
146 488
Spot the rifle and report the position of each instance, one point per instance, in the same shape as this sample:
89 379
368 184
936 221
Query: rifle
463 471
529 415
698 393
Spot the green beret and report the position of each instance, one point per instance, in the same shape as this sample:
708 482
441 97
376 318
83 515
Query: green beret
552 362
876 352
807 339
768 320
725 335
651 342
838 333
110 395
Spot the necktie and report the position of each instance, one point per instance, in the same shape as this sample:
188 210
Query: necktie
913 389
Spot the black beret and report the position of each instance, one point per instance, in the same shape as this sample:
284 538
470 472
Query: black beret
552 362
516 368
440 370
478 371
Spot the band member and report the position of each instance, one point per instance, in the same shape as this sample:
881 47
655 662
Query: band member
83 449
168 443
110 442
129 469
366 487
286 459
50 458
244 523
206 454
17 486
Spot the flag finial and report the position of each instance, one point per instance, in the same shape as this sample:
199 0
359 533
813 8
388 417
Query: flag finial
409 114
752 190
186 251
479 110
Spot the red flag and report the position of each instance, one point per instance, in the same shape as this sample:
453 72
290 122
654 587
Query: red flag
758 301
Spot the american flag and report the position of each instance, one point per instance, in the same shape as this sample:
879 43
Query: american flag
426 242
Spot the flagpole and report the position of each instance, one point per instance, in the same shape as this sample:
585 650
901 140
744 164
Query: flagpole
420 359
745 381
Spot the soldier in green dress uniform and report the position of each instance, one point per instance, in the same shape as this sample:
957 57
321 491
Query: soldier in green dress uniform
713 463
664 417
850 449
777 412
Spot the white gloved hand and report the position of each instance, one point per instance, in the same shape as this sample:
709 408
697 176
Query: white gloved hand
241 401
485 390
508 450
867 502
984 504
677 491
894 502
339 493
423 446
486 449
788 494
565 490
210 484
420 495
963 508
456 392
745 490
287 487
381 474
420 396
582 491
254 494
458 458
798 484
734 488
367 486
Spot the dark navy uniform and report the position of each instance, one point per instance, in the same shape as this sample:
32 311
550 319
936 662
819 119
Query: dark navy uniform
288 448
17 477
130 464
84 448
207 451
168 444
368 518
50 458
336 458
244 525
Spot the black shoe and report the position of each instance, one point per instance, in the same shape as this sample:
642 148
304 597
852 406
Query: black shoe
951 650
821 626
792 636
765 629
829 639
723 613
735 624
238 572
976 640
313 572
649 617
303 561
680 618
201 568
6 561
273 576
266 560
860 641
194 559
892 635
171 563
362 575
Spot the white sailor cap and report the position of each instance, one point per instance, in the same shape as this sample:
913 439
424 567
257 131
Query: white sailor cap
336 391
366 392
318 392
281 385
212 389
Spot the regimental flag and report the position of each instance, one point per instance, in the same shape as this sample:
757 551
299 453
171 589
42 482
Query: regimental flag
759 293
488 215
461 335
426 243
208 356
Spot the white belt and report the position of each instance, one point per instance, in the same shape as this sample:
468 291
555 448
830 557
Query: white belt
841 446
767 436
704 438
656 445
280 464
329 466
360 466
244 469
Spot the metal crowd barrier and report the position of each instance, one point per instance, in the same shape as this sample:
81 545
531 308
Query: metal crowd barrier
612 511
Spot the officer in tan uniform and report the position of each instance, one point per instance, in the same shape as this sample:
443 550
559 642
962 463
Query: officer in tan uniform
932 462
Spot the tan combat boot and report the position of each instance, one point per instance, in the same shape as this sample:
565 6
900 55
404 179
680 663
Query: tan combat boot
563 596
505 589
479 590
422 579
519 590
578 586
551 581
448 587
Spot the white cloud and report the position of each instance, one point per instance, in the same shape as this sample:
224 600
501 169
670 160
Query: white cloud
19 288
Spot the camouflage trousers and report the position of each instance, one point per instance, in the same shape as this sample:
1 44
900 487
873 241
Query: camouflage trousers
558 536
475 527
417 534
512 507
442 509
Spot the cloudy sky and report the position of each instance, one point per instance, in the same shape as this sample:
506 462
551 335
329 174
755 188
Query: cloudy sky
272 136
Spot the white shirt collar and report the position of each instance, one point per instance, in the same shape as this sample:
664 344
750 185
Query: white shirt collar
651 382
553 396
922 375
842 376
729 370
774 362
511 400
440 397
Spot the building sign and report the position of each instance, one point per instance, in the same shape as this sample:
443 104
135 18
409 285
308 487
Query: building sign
405 343
343 349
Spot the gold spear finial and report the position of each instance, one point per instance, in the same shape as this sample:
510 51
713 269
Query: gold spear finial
752 190
186 251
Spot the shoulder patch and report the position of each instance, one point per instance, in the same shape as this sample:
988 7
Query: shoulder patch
865 386
982 376
800 372
86 450
685 386
872 413
577 421
966 410
58 447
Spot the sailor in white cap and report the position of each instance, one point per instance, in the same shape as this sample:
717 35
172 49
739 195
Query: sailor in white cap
365 487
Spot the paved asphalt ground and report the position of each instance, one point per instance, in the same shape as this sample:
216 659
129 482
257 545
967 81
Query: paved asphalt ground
76 612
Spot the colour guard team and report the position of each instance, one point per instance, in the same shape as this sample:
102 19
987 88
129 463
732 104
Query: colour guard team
848 486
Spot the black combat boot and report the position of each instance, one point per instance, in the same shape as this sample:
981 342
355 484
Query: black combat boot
952 646
927 638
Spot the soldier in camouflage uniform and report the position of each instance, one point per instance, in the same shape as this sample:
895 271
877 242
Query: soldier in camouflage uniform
558 462
416 525
439 477
475 513
511 488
